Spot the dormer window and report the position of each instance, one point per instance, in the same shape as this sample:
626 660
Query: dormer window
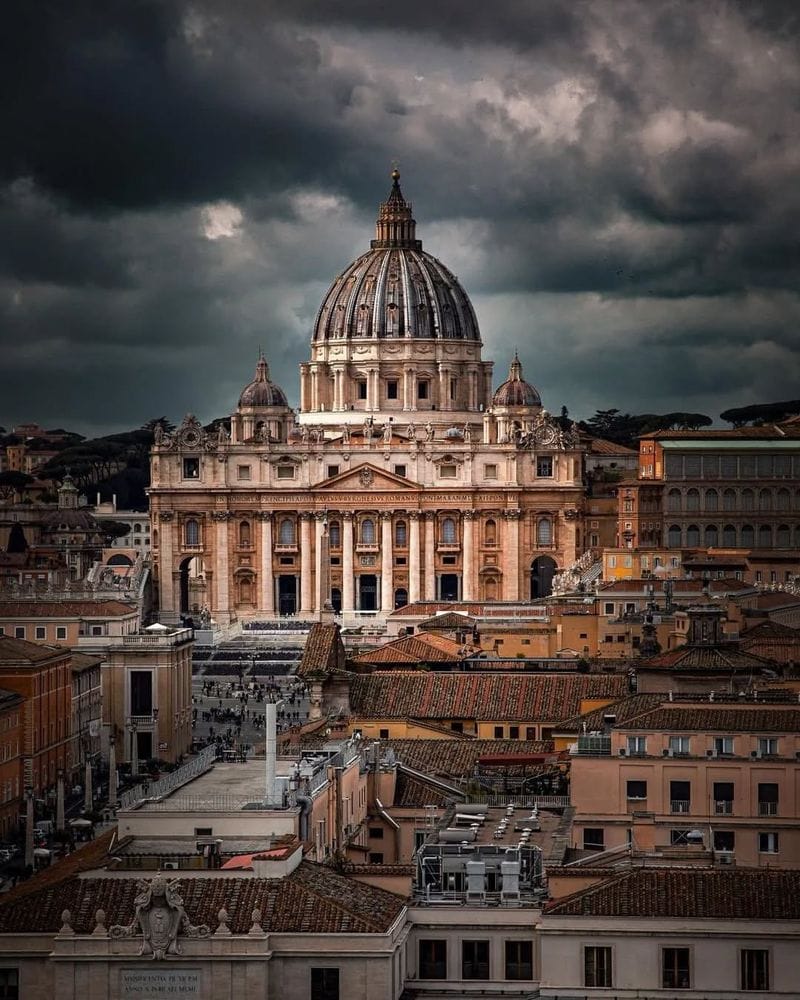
191 468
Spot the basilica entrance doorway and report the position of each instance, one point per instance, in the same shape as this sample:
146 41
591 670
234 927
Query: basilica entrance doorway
542 570
287 595
367 592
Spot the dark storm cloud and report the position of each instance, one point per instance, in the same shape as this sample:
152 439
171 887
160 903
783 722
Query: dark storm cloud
610 180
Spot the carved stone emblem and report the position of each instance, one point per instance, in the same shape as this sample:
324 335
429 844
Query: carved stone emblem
160 918
365 477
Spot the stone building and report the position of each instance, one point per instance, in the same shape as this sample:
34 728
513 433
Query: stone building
403 477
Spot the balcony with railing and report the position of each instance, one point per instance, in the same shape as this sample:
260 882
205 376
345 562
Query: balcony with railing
593 745
723 807
767 808
679 805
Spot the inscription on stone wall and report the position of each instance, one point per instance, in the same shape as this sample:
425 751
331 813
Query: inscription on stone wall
152 984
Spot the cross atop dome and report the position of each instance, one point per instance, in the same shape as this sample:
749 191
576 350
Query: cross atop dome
395 226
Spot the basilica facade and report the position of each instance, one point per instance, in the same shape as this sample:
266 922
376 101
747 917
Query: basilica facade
404 476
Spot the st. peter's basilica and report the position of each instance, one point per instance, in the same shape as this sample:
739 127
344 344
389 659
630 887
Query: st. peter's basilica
402 478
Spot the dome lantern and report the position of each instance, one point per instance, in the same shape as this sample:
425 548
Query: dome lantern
515 391
262 391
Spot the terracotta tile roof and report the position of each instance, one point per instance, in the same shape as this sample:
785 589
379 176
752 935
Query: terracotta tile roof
772 601
624 710
426 648
773 641
733 894
599 446
723 657
379 869
449 620
744 719
323 651
65 609
83 661
412 792
313 899
9 700
456 759
515 697
21 651
768 629
429 608
695 586
769 431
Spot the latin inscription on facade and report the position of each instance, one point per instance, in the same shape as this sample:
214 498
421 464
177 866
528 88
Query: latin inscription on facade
152 984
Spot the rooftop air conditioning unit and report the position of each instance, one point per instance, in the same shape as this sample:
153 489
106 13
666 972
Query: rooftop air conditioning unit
725 857
170 866
712 753
666 752
622 752
755 755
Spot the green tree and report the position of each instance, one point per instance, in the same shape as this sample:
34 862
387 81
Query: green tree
113 529
13 483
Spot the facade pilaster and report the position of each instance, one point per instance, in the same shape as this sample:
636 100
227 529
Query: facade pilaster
166 589
511 555
306 593
267 601
413 556
387 581
430 556
319 528
348 583
468 574
221 563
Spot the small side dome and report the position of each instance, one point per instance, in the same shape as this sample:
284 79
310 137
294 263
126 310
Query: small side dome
515 391
261 391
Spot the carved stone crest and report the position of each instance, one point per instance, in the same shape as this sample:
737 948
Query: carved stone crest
366 476
160 918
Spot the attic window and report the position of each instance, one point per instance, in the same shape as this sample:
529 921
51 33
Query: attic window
448 471
285 472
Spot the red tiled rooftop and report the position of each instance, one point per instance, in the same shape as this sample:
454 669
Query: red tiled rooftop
456 759
426 648
65 609
21 651
746 719
323 651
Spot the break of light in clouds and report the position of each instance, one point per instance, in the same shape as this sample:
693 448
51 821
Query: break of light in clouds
614 183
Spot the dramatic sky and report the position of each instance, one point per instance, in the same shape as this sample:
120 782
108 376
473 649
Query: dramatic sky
615 183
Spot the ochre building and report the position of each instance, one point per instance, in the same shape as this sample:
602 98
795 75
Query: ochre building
403 477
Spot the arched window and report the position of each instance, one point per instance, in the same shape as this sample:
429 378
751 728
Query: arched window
711 536
692 536
674 501
490 532
286 534
191 532
368 531
544 531
400 597
748 536
765 537
674 536
246 590
783 537
335 535
244 533
712 500
784 500
137 529
449 531
729 536
729 500
765 500
693 499
748 500
400 535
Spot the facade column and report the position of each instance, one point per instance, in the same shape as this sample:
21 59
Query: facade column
267 601
468 572
372 390
221 518
303 388
318 532
387 561
315 388
511 560
306 594
444 395
413 556
412 395
348 582
166 590
430 557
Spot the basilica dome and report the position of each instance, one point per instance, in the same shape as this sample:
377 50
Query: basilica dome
515 391
396 289
261 391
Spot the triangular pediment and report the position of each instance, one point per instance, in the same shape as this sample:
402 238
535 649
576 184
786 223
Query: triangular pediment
367 476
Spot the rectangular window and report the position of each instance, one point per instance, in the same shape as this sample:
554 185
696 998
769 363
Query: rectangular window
594 839
285 472
474 959
679 744
755 968
9 984
768 746
637 745
324 984
453 388
448 471
679 838
19 631
41 632
391 389
675 969
333 470
767 798
519 960
724 840
768 843
597 967
490 472
637 790
376 833
243 472
530 732
383 734
375 858
723 798
723 744
609 608
361 387
191 468
499 732
544 467
97 629
513 732
141 700
400 470
680 794
422 390
432 959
